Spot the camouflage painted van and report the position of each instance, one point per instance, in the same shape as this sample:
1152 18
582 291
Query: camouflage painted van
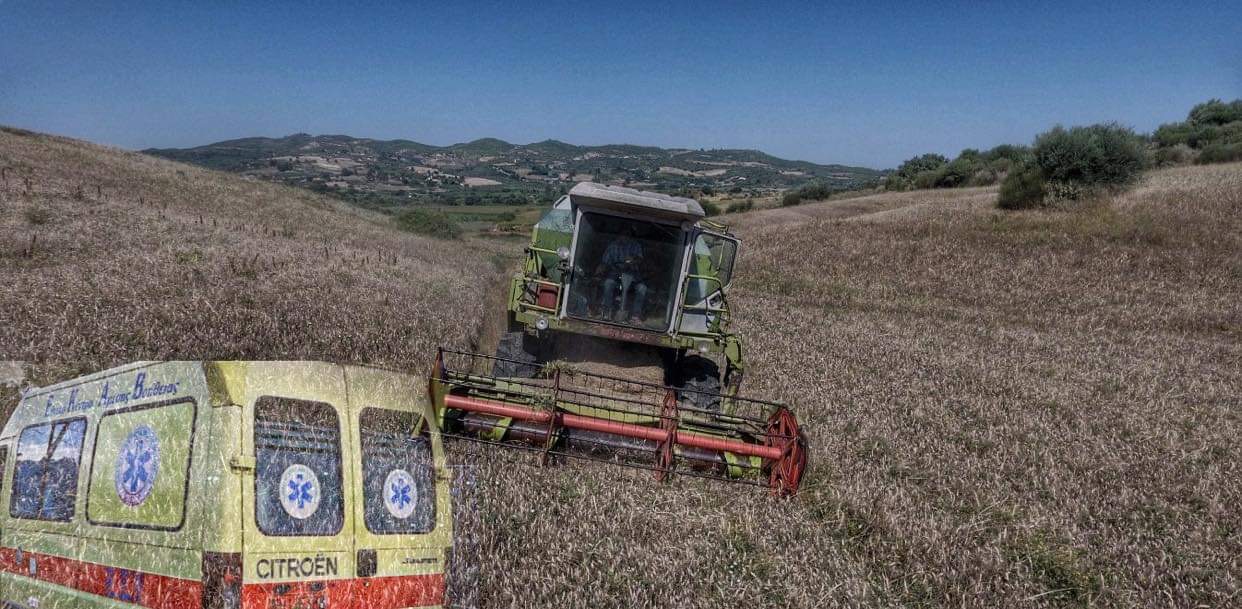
225 485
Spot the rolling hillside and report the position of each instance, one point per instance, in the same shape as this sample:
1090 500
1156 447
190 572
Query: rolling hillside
391 172
1031 409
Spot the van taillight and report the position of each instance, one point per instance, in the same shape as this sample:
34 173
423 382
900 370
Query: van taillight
222 579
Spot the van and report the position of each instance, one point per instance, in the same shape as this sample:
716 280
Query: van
225 485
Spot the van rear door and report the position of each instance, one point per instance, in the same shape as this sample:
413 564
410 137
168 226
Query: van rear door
298 547
401 508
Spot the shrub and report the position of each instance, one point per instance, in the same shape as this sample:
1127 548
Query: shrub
1220 153
925 179
1023 188
815 191
1184 134
920 164
1231 133
1180 154
1212 122
896 183
1216 112
742 206
958 172
1009 153
709 208
984 176
1098 156
427 222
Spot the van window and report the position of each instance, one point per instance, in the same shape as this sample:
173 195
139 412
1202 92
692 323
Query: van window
45 476
398 494
141 467
297 447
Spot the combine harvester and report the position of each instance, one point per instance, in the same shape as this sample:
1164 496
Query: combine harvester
637 281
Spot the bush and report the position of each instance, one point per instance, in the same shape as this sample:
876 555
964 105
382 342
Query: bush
1220 153
709 208
1009 153
896 183
1023 188
958 172
925 179
1180 154
1216 112
1185 134
1212 122
1098 156
815 191
427 222
742 206
920 164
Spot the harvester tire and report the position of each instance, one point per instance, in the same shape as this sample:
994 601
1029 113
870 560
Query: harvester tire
516 356
702 377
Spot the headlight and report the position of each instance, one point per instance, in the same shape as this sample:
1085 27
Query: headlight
562 252
541 323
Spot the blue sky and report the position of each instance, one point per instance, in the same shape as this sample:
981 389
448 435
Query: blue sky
868 85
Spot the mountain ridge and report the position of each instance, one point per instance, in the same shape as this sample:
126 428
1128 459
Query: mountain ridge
397 170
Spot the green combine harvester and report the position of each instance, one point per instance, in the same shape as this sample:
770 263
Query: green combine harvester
631 281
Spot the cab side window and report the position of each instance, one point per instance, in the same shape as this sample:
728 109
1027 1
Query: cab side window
45 475
298 488
398 494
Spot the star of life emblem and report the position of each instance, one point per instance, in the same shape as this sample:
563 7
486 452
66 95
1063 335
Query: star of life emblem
299 491
137 466
400 495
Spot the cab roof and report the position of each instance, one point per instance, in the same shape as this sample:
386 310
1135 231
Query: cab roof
636 201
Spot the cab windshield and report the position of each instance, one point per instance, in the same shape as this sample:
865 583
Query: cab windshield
625 271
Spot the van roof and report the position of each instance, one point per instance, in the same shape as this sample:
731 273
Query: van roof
141 382
637 201
94 376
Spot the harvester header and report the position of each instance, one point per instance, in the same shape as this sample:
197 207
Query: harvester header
558 410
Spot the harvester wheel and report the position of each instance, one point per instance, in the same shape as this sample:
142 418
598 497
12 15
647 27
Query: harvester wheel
701 376
516 356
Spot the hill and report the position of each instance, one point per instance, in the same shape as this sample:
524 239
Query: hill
1031 409
1035 409
490 170
136 257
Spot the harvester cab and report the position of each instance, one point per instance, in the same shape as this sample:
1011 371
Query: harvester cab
635 267
615 274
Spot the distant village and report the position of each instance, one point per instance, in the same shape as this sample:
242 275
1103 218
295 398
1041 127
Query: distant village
495 171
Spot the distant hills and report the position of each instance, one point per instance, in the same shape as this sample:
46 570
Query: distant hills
489 170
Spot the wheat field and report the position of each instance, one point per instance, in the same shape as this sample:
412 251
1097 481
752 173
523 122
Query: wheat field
1032 409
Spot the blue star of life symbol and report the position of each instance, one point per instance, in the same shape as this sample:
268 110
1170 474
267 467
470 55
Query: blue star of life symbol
137 466
299 494
401 493
300 491
401 496
136 475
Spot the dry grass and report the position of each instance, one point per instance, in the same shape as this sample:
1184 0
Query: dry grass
1035 409
139 258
